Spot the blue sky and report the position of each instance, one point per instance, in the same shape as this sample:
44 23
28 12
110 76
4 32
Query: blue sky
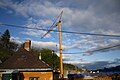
91 16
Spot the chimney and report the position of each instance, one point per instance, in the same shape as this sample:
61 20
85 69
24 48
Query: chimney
40 56
27 45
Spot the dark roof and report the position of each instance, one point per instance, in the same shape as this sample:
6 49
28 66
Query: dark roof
23 59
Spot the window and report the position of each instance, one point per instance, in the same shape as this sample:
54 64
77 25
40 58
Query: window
33 78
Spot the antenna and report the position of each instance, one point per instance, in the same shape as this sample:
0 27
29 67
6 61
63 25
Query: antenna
55 23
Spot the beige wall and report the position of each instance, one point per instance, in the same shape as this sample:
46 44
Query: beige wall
41 75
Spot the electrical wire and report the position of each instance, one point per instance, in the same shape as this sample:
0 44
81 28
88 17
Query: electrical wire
70 32
102 49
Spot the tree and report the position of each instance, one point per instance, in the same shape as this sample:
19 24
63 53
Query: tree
5 54
50 58
6 36
13 46
5 39
7 48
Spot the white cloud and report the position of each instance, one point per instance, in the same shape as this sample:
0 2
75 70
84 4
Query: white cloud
46 22
99 64
39 44
35 8
108 45
114 41
79 15
86 18
83 20
15 39
32 23
49 45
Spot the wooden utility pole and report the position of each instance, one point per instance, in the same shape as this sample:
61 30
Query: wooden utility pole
60 40
60 48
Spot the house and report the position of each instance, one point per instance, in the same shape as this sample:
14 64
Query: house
24 65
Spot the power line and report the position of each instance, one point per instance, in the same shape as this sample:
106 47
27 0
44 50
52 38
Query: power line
16 26
73 52
106 48
71 32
